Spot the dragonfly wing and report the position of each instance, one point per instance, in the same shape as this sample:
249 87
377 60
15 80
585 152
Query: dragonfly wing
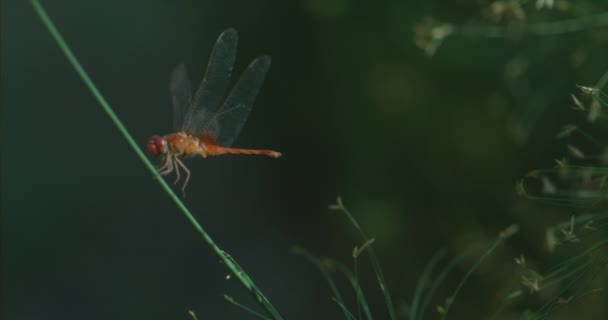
228 121
212 90
181 94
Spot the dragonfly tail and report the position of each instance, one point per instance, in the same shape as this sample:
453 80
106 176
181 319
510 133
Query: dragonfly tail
216 151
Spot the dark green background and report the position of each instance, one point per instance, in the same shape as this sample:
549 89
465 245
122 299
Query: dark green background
424 150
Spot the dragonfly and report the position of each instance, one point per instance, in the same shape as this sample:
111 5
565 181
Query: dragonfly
207 123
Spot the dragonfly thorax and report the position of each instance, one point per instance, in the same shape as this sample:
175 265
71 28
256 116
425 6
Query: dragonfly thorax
182 144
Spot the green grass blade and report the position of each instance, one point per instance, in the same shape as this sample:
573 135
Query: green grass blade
357 286
440 278
350 276
236 271
504 302
501 238
244 307
330 281
416 300
343 307
372 257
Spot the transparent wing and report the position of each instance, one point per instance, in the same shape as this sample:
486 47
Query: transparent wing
225 124
212 90
181 94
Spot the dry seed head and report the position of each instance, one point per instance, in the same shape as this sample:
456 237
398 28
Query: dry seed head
563 168
569 234
548 186
532 283
502 10
509 231
561 163
551 240
588 91
514 294
576 152
589 225
544 4
567 130
579 105
357 251
338 205
440 309
429 34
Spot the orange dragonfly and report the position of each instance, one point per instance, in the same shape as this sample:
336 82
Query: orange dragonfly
208 123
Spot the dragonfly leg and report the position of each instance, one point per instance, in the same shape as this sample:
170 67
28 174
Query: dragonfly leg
164 165
167 167
177 174
181 164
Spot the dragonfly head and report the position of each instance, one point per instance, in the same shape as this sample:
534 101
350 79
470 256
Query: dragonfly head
157 146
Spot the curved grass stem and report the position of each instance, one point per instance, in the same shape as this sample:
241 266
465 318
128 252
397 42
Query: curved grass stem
237 271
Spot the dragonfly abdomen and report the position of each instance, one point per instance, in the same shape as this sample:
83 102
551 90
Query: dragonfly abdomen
213 150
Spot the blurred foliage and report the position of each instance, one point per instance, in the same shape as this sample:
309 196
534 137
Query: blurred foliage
423 116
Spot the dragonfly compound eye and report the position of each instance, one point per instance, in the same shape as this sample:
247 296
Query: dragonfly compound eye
156 146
